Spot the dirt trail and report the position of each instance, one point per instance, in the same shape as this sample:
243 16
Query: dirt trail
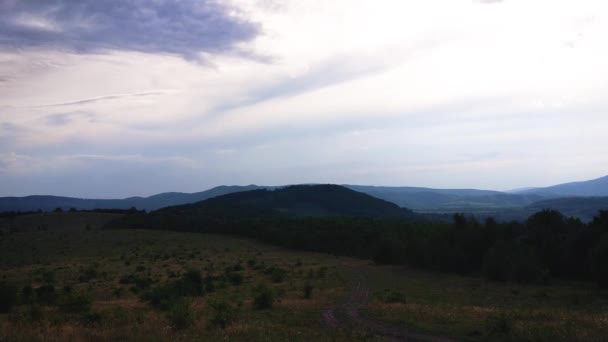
349 312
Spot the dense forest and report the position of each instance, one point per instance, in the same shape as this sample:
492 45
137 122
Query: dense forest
548 245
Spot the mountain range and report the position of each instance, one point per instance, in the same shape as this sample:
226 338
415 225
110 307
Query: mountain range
264 206
581 198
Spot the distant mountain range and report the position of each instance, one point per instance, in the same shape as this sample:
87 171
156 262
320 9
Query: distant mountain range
583 198
591 188
295 201
48 203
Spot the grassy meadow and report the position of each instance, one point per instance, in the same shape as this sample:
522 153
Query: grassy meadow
158 285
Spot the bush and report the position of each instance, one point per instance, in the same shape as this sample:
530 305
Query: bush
164 296
263 297
141 282
277 274
46 295
307 291
8 297
190 284
180 314
222 313
235 278
389 296
88 274
74 303
27 293
48 277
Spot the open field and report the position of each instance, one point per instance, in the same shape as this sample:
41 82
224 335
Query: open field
116 269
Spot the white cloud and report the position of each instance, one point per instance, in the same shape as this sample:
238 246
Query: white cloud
441 93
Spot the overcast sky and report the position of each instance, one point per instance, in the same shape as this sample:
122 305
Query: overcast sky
118 98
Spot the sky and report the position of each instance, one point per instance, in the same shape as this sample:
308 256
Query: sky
107 99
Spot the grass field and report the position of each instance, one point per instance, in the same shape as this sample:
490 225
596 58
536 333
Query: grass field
73 255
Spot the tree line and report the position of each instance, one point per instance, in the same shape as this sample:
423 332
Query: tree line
547 245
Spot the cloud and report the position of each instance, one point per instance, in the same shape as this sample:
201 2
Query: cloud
100 98
62 119
185 27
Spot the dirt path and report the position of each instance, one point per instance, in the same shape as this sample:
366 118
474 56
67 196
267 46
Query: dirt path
349 312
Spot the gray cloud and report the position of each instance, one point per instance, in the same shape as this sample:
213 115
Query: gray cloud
184 27
62 119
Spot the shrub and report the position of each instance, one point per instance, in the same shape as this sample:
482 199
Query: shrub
164 296
141 282
308 291
235 278
48 277
321 272
8 297
27 293
277 274
74 303
190 284
88 274
389 296
180 314
222 313
90 318
263 297
46 294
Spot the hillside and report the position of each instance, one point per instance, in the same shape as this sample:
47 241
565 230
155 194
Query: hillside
297 200
595 187
220 213
424 199
48 203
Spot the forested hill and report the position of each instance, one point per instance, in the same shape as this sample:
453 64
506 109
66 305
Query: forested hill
297 201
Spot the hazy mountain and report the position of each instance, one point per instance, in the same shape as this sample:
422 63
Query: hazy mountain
48 203
594 187
584 208
447 199
415 198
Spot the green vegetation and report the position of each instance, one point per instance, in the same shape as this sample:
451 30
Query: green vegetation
223 312
164 285
8 297
548 245
263 297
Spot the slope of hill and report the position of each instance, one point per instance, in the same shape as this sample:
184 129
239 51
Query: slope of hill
584 208
595 187
447 199
48 203
295 200
255 212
